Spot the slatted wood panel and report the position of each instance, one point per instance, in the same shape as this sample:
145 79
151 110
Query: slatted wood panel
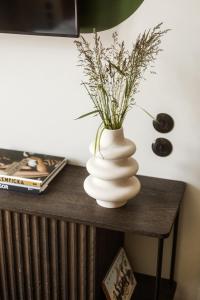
44 258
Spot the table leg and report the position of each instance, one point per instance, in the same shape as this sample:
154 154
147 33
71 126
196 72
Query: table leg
159 268
174 243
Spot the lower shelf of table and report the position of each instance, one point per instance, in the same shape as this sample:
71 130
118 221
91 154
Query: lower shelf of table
146 285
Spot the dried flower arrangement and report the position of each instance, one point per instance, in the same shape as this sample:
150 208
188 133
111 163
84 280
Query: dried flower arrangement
114 73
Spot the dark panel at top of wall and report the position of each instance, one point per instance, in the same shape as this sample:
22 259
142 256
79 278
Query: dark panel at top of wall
105 14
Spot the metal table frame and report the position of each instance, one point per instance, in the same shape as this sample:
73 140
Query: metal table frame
160 258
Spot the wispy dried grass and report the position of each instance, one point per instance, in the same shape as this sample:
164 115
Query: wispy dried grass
114 74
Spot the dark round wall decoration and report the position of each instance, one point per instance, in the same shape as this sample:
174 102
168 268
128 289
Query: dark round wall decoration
162 147
105 14
164 123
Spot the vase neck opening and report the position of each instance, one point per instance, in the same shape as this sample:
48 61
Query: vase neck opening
110 136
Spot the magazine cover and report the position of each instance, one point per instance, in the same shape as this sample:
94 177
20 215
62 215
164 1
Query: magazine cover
22 188
22 168
119 282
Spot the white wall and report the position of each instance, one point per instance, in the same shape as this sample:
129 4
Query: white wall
40 96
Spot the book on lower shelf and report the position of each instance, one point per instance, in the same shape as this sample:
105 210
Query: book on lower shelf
119 282
27 171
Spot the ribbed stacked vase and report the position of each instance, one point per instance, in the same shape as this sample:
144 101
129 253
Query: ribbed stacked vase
112 180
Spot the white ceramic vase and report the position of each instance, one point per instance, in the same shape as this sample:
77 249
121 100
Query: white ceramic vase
112 180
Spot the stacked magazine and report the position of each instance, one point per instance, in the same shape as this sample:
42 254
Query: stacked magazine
28 172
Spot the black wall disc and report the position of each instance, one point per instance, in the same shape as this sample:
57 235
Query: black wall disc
164 123
162 147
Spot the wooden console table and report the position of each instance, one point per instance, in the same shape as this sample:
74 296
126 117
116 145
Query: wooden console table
60 244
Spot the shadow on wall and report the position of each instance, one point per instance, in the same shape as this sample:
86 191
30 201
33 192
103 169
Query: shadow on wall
188 249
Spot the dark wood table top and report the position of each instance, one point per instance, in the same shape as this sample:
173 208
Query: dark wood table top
152 212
